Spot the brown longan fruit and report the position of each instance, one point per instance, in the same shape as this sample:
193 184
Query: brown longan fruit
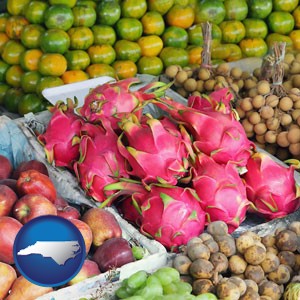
240 112
282 140
246 104
298 120
271 136
181 77
272 100
286 119
200 86
252 92
285 103
287 85
254 117
190 84
203 74
249 83
257 72
289 57
263 87
236 72
258 101
245 75
294 135
260 128
294 94
296 80
272 123
223 68
260 138
296 104
209 85
182 92
294 149
266 112
172 70
295 67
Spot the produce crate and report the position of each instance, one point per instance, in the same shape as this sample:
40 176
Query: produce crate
18 143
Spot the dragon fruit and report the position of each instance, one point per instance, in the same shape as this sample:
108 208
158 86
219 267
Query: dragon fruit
62 136
271 186
155 149
171 215
221 191
217 134
115 100
100 162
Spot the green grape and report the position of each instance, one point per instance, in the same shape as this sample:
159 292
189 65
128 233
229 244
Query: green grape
173 297
152 280
137 279
170 288
121 293
150 291
206 296
184 288
166 275
135 298
138 252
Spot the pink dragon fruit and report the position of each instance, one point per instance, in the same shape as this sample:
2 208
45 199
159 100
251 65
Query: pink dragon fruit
100 162
62 136
221 191
217 134
271 186
156 150
171 215
116 100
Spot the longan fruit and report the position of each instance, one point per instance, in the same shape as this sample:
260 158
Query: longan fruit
172 70
286 103
271 136
294 94
295 67
190 85
188 70
246 104
240 112
182 92
204 74
286 119
181 77
209 85
252 92
249 83
272 100
296 104
294 135
282 139
287 85
294 149
196 93
235 87
260 128
248 127
257 72
296 80
223 68
254 117
258 101
260 138
298 120
272 123
245 75
263 87
289 57
236 72
295 113
266 112
200 86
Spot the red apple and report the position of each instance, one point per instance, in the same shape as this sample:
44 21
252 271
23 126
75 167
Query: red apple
30 165
89 269
6 167
103 223
113 253
86 232
31 206
12 183
7 276
60 202
7 199
9 228
26 290
68 212
34 182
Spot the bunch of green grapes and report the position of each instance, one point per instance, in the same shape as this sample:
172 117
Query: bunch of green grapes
163 284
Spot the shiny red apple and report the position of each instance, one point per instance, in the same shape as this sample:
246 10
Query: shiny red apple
7 199
9 228
7 277
68 212
6 167
86 232
12 183
31 206
113 253
89 269
60 201
32 164
103 223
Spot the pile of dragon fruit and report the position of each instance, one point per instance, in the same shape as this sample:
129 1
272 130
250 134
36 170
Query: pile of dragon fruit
171 174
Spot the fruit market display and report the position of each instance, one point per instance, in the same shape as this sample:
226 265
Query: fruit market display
216 265
27 192
50 43
112 147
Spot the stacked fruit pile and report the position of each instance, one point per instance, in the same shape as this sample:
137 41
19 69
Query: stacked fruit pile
45 44
27 192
